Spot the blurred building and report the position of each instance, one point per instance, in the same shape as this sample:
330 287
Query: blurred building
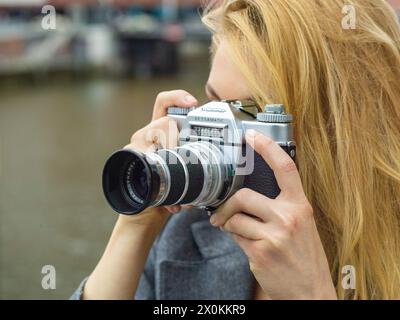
141 37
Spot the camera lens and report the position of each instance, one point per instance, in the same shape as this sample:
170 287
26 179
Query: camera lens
193 174
128 182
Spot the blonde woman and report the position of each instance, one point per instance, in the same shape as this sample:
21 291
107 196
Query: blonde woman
339 207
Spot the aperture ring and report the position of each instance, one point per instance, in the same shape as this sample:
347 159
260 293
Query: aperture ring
165 178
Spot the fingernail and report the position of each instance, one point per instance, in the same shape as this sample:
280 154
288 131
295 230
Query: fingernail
213 220
190 99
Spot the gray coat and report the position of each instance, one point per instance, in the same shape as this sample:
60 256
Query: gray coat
193 260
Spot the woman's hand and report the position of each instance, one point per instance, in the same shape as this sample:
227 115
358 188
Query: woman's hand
279 236
162 132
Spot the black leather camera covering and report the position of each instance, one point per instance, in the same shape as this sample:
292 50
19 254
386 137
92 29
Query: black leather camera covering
262 180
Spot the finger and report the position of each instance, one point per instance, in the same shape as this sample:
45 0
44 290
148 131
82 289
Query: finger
187 207
173 209
245 226
163 133
159 133
244 243
179 98
281 163
247 201
140 146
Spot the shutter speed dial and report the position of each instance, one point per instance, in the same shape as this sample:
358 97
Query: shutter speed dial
274 113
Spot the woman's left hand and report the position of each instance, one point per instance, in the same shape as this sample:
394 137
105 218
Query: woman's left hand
279 236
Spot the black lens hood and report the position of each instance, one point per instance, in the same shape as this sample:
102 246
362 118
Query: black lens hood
113 182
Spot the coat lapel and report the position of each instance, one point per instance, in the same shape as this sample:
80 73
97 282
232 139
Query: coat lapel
222 272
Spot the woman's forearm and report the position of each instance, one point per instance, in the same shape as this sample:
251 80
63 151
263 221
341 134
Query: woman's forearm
117 274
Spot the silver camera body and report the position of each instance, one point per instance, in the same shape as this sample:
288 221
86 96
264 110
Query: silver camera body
212 160
224 124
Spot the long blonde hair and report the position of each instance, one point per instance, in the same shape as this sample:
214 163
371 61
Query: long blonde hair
343 87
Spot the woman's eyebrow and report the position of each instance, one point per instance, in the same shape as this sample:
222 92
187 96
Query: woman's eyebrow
211 92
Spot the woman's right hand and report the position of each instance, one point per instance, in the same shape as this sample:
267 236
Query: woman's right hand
160 132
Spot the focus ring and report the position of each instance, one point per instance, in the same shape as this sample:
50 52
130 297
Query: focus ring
177 174
196 175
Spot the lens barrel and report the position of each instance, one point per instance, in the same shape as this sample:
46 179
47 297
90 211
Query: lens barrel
192 174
